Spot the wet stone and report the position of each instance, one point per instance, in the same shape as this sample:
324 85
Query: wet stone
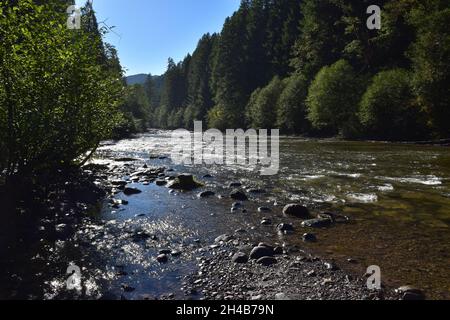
297 211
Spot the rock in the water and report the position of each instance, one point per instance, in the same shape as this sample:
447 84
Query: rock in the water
240 257
160 182
130 191
285 227
206 194
309 237
267 261
266 222
207 176
256 191
259 252
330 266
296 210
165 251
238 195
237 205
235 185
410 293
316 223
162 258
184 182
264 209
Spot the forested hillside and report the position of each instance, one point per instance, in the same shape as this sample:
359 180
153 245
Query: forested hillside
313 67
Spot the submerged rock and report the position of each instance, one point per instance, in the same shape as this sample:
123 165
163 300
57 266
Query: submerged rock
296 210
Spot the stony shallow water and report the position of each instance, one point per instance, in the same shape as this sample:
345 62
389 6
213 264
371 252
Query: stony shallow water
397 197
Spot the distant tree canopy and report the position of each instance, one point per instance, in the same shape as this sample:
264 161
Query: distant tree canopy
313 67
59 88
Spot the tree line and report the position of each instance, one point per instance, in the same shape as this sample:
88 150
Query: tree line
313 67
60 89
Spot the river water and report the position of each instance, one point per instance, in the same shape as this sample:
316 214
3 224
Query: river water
397 196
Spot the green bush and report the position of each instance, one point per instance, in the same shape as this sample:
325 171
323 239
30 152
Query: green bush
291 109
261 110
333 99
388 109
58 98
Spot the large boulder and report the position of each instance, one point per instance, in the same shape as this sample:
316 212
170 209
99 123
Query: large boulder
184 182
297 211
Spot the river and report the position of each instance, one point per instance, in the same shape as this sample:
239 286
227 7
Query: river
397 197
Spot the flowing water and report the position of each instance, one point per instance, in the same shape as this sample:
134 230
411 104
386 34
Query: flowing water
397 197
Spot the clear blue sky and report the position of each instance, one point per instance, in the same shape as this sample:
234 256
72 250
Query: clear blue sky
151 31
